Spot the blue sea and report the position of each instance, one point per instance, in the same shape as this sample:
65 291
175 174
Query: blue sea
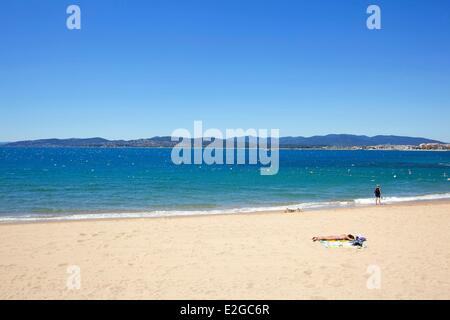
83 183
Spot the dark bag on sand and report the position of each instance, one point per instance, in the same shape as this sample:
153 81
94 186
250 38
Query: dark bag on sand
359 241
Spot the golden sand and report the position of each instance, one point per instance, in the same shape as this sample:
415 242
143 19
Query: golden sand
247 256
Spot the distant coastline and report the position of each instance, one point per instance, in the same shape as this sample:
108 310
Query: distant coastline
327 142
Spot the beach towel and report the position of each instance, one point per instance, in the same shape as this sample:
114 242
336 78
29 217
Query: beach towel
341 244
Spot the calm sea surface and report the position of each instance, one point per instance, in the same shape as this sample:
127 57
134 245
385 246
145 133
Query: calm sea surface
71 183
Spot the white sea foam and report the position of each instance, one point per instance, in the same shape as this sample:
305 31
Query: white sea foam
438 196
171 213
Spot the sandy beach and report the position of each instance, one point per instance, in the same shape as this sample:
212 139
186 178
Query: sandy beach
247 256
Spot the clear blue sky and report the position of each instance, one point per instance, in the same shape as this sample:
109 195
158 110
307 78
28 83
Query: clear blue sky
144 68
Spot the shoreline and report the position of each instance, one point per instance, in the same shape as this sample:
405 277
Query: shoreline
207 214
266 255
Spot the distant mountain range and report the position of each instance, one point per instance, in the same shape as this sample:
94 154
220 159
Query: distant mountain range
349 140
331 140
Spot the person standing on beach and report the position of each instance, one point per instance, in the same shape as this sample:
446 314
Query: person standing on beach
377 195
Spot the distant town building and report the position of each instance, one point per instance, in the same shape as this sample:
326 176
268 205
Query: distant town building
434 146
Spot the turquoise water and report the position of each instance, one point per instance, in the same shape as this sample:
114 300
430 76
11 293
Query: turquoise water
39 183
